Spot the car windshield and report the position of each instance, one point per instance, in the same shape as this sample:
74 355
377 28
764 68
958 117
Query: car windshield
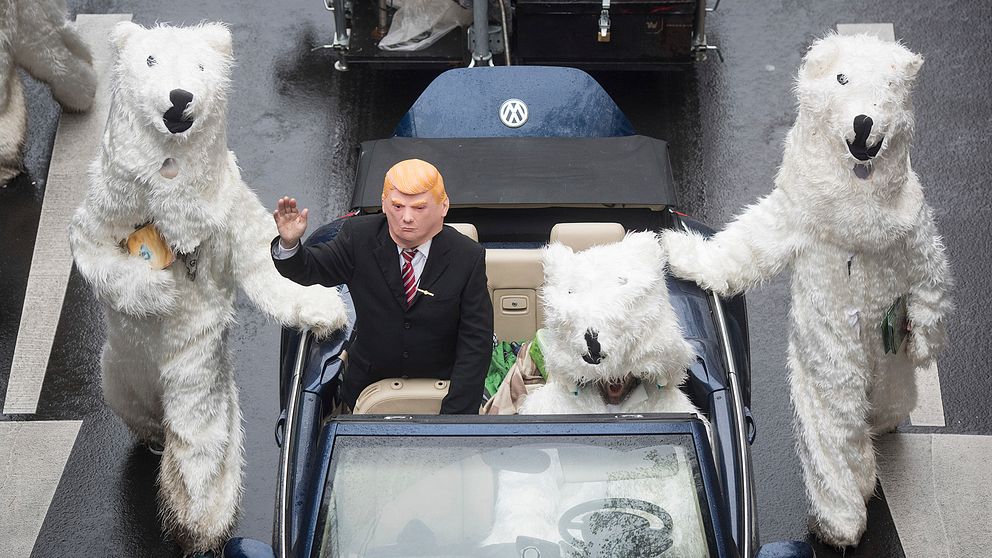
491 496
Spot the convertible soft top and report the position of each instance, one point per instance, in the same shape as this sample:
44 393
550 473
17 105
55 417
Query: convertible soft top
626 171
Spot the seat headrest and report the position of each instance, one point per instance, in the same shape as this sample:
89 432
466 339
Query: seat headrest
467 229
579 236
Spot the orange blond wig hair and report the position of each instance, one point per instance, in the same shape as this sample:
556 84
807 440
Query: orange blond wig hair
413 177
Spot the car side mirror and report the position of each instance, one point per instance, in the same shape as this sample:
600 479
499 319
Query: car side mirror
785 549
247 548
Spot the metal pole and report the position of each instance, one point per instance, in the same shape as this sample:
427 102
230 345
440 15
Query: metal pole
506 33
480 29
382 28
700 29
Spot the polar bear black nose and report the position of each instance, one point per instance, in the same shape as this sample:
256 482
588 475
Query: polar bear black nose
595 355
174 119
862 125
180 98
859 147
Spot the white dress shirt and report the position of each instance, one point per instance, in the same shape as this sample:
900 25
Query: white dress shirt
418 263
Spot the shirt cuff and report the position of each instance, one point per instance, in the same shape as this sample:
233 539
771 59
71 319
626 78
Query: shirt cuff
280 253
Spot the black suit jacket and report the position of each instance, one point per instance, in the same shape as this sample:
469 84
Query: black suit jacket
448 335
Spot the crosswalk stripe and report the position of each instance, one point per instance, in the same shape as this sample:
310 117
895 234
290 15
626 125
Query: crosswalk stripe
76 141
884 31
32 459
938 493
929 409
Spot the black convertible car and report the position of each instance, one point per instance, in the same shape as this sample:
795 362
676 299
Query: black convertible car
393 480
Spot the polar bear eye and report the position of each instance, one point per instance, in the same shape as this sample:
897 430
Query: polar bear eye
200 66
621 280
842 79
151 61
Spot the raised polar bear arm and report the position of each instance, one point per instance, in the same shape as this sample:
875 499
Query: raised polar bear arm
756 245
315 307
929 301
125 282
52 51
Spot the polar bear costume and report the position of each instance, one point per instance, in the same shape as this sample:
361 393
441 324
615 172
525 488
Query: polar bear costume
848 216
611 299
34 35
607 319
167 371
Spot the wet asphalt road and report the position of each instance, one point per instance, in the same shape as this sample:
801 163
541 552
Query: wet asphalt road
293 123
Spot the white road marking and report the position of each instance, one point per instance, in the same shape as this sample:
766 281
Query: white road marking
76 142
937 489
929 409
32 458
883 31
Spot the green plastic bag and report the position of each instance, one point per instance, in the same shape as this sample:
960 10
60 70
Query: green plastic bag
503 359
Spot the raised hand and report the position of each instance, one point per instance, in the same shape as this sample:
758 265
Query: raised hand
290 222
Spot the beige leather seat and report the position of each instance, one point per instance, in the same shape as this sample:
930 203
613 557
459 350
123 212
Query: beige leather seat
579 236
514 278
416 396
467 229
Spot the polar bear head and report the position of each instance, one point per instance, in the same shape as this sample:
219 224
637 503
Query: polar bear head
173 80
608 318
855 90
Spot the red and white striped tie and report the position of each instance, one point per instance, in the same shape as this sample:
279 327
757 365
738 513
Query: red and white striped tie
409 279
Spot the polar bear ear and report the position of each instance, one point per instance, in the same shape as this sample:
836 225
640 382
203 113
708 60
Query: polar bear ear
122 33
910 63
819 59
555 256
218 36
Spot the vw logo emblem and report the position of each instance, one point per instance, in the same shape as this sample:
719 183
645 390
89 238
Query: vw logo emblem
513 113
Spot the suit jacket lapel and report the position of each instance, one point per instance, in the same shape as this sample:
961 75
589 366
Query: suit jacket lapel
389 262
437 262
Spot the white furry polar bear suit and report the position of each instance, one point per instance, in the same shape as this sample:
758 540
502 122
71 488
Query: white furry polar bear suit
607 318
848 215
35 36
166 366
614 294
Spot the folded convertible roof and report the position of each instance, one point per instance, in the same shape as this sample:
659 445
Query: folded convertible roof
626 171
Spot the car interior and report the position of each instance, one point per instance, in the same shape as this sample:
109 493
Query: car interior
515 276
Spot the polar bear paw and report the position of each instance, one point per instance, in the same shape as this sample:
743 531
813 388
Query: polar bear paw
147 291
924 343
77 92
840 530
321 311
684 251
8 172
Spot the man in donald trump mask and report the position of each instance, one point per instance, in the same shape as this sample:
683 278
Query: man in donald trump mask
418 286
